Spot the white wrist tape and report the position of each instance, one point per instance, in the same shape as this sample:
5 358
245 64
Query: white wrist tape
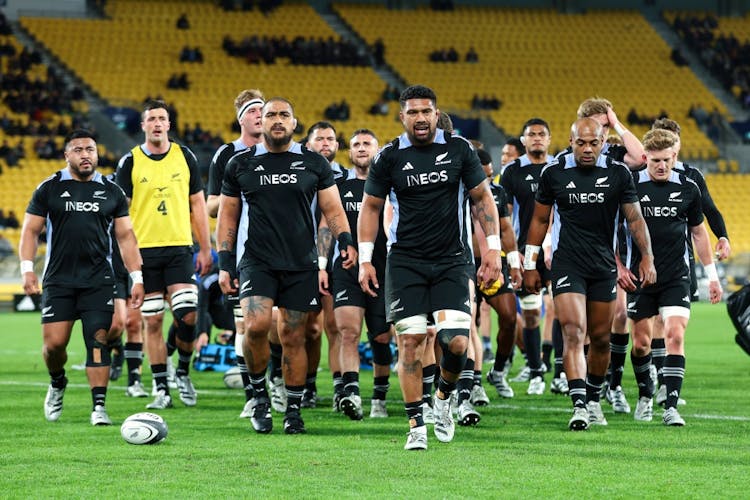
620 129
137 277
27 266
322 263
711 272
493 242
529 257
366 248
514 259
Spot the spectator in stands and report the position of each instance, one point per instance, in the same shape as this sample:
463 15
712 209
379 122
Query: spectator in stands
12 221
5 29
182 22
472 56
678 58
2 218
378 52
6 248
15 154
380 108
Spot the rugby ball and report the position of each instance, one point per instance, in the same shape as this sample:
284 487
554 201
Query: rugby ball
144 428
233 378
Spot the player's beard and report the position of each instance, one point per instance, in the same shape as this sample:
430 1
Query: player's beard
422 142
82 175
277 142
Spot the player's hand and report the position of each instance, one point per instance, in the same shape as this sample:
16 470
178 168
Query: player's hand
203 262
714 291
611 117
349 257
323 282
200 342
647 271
723 249
136 295
516 278
625 278
490 270
532 281
227 284
30 284
368 279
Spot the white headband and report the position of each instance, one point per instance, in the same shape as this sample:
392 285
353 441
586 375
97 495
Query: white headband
247 106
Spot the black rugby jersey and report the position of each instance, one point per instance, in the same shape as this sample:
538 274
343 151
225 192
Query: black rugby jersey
352 191
280 190
520 180
587 202
426 186
219 163
670 208
79 215
710 211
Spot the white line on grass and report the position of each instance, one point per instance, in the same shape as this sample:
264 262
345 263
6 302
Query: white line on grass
237 393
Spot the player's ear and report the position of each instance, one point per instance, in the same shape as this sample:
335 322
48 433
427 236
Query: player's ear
523 140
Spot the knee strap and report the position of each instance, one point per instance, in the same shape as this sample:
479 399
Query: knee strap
97 351
381 353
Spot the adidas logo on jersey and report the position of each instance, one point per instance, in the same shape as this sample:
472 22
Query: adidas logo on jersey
65 195
686 298
675 197
408 166
645 198
529 177
440 159
143 179
110 302
349 194
259 168
314 302
571 185
600 182
675 394
562 282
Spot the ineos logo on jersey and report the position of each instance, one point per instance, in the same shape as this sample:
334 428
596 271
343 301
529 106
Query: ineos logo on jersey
353 206
585 198
659 211
81 206
272 179
427 178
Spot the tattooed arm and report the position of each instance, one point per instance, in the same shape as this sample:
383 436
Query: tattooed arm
226 238
325 240
330 205
639 232
485 212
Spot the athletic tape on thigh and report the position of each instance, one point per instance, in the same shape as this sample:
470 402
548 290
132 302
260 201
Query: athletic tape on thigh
237 312
532 301
668 311
238 338
152 306
412 325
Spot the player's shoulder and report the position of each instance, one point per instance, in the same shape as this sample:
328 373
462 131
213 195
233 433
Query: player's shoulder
616 166
558 163
187 153
126 159
386 151
50 181
224 153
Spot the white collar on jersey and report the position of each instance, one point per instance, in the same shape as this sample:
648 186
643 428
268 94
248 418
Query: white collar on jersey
570 161
404 142
67 176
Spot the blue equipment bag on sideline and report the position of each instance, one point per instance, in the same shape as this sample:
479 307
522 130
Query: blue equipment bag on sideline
215 357
738 307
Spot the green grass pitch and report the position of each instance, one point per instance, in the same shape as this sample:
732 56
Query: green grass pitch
520 449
